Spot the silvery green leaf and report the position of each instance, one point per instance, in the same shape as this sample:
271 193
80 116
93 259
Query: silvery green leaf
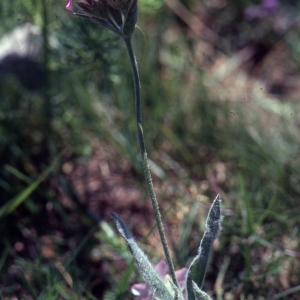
146 269
176 292
198 266
199 295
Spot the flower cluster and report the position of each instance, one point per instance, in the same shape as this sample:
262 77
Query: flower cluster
120 16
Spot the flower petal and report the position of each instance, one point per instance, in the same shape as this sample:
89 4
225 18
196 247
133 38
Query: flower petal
181 276
162 268
69 5
140 289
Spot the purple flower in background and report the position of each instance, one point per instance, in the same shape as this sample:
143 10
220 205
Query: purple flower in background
262 10
143 291
270 4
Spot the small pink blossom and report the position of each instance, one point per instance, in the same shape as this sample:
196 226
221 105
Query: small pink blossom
143 291
69 5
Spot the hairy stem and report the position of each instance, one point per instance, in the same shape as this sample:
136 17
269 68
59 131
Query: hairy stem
138 115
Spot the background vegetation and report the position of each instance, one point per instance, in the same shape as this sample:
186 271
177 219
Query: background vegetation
221 115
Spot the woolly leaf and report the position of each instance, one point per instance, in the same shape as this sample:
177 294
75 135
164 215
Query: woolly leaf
146 269
199 295
198 266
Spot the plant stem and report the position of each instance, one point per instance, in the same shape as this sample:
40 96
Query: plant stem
138 115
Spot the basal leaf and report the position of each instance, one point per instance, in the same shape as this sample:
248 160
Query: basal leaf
198 266
146 269
199 295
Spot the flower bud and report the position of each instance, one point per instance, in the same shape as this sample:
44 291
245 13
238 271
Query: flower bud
120 16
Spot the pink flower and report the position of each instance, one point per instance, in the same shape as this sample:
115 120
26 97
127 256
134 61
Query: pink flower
143 291
69 5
